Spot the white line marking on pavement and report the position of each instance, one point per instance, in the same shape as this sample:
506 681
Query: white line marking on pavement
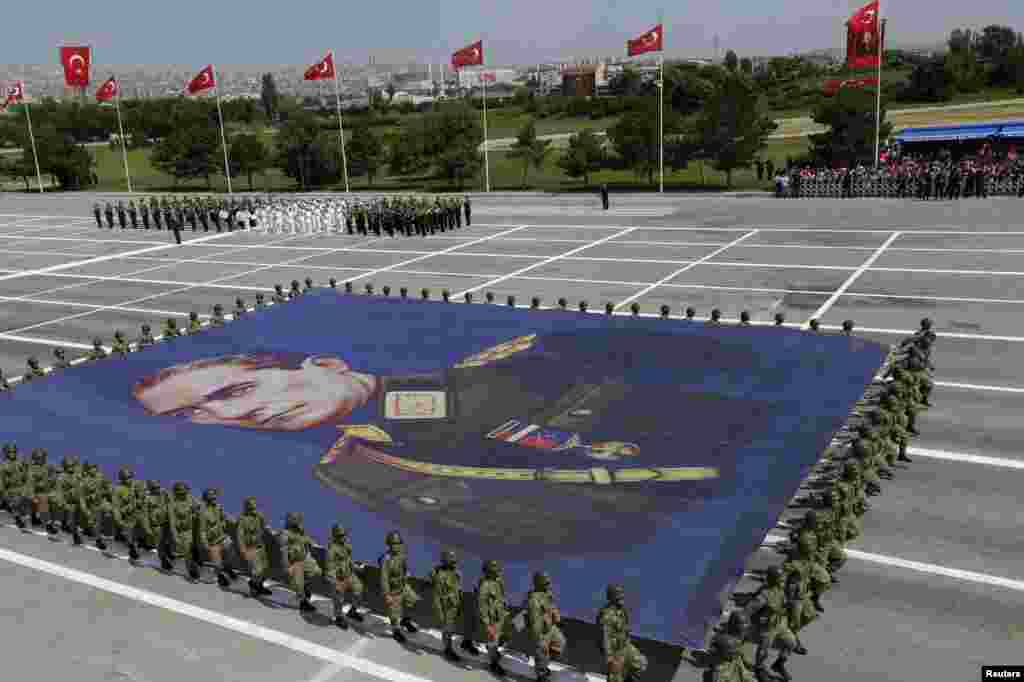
932 271
72 304
979 387
683 269
330 671
46 342
932 569
77 239
101 259
546 261
221 620
1000 462
437 253
853 278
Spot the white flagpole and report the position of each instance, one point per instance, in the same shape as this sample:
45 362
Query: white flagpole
124 142
223 138
487 163
878 87
661 124
341 130
32 138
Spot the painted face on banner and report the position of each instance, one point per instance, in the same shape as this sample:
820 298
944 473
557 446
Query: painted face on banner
258 392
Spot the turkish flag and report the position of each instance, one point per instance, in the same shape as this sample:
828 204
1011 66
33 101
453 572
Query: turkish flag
76 62
204 80
648 42
322 70
488 76
471 55
833 86
107 91
864 37
15 93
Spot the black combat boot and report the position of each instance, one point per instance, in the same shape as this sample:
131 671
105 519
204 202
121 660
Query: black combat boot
76 535
232 576
779 666
133 552
496 669
396 634
222 579
800 649
341 621
449 650
409 626
469 646
544 675
166 563
306 603
263 589
354 614
101 544
19 521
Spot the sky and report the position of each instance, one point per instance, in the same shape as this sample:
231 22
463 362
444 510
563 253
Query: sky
231 32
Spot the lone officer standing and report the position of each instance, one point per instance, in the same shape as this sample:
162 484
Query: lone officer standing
302 567
446 580
394 586
340 570
542 618
625 662
604 196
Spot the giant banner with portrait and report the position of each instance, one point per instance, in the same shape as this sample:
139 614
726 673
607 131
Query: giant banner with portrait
648 452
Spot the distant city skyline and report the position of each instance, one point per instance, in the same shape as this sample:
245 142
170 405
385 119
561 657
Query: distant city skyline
522 32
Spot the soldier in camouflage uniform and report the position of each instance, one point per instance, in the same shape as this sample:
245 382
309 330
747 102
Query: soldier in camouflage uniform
864 452
13 479
727 664
37 491
494 613
126 511
60 362
308 285
97 352
240 309
120 347
91 505
446 580
301 565
153 516
768 615
194 325
179 533
878 439
625 663
62 501
830 551
395 588
171 328
146 339
34 371
260 304
295 291
341 573
804 558
218 316
279 296
251 529
798 575
121 215
213 537
4 385
895 417
542 619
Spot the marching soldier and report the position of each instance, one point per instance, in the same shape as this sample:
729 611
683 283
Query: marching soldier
146 339
468 208
133 214
771 626
190 216
121 215
108 213
251 529
120 347
218 316
13 480
62 501
295 291
157 215
302 567
34 371
542 619
260 304
309 285
39 486
97 352
91 506
204 216
240 309
180 531
144 209
171 329
126 511
4 385
727 664
279 296
446 580
394 586
97 213
341 572
153 517
624 660
213 536
494 613
194 325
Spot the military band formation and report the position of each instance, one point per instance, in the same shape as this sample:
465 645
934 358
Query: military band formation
402 215
77 499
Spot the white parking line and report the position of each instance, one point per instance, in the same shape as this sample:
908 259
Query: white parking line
979 387
1000 462
853 278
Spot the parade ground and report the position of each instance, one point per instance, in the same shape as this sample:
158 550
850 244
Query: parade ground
933 589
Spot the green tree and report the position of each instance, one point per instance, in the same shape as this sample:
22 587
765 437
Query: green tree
307 154
747 66
931 82
189 153
530 150
583 156
248 156
626 83
635 139
60 156
269 97
849 117
731 61
365 152
733 125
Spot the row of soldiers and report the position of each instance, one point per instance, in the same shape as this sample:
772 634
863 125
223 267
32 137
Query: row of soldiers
406 215
790 598
78 499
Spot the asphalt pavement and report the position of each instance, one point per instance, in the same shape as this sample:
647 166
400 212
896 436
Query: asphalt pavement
933 590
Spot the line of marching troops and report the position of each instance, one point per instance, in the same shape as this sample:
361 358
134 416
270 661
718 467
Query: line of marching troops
405 215
790 598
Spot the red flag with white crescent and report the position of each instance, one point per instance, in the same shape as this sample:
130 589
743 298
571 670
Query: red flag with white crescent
76 62
107 91
864 37
322 70
15 93
489 76
648 42
471 55
203 80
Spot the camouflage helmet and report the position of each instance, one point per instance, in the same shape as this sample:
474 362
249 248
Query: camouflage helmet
249 505
97 342
239 303
278 288
492 569
737 624
779 318
210 495
33 362
118 335
773 576
218 309
814 325
616 594
541 581
745 317
193 315
125 474
153 485
293 520
259 298
58 353
145 329
309 282
339 532
295 285
171 322
926 324
181 489
39 456
448 557
716 314
11 451
393 539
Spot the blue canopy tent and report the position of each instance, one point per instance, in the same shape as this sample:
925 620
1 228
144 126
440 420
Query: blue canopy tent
962 139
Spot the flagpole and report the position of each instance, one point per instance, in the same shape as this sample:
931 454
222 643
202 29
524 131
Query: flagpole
341 130
124 143
661 106
32 138
223 138
487 163
878 88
